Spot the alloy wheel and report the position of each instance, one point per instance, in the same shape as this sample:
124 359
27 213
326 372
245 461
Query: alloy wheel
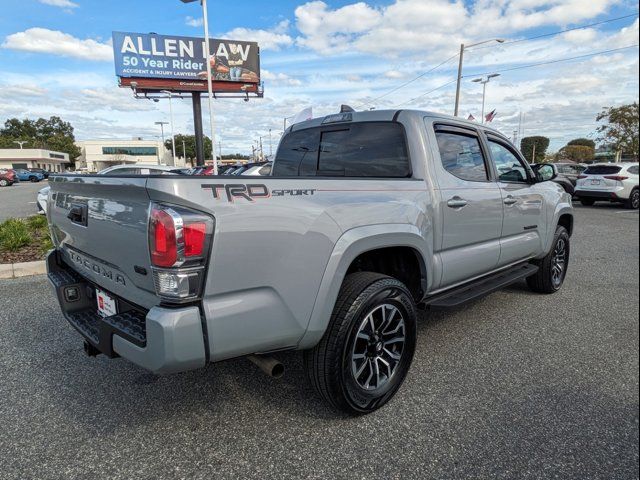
378 347
559 262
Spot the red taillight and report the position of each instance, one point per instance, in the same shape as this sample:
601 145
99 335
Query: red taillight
617 178
164 248
194 239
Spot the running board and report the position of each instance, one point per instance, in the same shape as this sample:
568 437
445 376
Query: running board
481 287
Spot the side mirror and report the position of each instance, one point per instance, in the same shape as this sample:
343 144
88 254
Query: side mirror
544 172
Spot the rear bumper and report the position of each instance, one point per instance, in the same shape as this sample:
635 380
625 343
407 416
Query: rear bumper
162 340
597 195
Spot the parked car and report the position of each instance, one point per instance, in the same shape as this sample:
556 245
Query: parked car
131 169
7 177
611 182
263 169
45 173
25 175
367 216
570 170
558 177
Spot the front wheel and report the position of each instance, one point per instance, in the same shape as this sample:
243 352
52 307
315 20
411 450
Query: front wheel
553 267
365 354
634 200
4 183
33 179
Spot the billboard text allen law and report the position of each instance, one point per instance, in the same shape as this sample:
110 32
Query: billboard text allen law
169 57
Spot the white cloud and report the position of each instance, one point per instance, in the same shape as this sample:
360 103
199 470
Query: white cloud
272 39
194 22
60 3
395 74
431 27
54 42
279 79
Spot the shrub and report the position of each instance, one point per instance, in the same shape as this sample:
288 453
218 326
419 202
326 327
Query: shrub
14 234
36 222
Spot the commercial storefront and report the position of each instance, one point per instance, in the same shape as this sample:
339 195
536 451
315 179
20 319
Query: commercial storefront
34 158
99 154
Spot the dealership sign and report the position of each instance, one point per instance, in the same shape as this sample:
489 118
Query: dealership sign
168 57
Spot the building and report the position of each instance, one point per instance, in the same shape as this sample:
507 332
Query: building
99 154
34 158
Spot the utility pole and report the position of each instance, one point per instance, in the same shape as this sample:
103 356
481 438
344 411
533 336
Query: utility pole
270 146
162 124
184 151
261 151
533 155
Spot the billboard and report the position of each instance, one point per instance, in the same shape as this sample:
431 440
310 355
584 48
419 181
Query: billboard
181 60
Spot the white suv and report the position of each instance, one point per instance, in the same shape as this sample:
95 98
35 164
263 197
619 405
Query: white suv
613 182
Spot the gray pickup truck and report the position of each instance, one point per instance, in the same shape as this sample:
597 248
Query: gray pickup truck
366 217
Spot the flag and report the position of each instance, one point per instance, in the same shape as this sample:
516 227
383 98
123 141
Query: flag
471 118
490 116
302 115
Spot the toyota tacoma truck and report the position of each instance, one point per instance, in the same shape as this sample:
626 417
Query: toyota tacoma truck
365 218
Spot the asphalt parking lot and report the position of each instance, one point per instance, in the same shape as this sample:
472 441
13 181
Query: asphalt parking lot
19 200
516 385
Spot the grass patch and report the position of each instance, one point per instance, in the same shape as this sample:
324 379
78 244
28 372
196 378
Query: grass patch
24 240
14 234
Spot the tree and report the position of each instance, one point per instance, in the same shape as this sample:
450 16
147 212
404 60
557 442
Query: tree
576 153
190 146
621 128
582 142
527 146
52 134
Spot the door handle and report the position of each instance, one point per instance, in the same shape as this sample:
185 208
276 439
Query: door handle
510 200
456 202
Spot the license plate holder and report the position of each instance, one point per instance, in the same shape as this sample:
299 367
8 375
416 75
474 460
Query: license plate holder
595 182
106 304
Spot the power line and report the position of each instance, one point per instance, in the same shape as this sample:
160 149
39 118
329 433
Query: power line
520 67
427 93
551 34
410 81
579 27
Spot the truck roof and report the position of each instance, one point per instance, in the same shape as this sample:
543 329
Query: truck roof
390 115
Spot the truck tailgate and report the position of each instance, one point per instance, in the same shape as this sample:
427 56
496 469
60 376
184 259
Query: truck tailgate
99 224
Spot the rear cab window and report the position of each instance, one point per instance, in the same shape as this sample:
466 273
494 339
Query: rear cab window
359 149
602 170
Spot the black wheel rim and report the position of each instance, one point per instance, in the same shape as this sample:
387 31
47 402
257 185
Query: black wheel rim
635 199
559 262
378 347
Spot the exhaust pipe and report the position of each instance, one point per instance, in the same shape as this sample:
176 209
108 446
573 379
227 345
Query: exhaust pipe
268 365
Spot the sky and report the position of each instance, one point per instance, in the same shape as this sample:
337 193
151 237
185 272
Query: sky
56 59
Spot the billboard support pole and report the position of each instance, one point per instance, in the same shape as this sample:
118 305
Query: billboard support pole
197 126
209 86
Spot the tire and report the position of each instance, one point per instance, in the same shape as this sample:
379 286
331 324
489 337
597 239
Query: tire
4 183
333 364
548 278
33 179
634 200
587 202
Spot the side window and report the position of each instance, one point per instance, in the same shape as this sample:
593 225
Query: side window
461 156
297 154
509 166
367 149
633 170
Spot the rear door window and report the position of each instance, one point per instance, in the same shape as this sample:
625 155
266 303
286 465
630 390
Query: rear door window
462 156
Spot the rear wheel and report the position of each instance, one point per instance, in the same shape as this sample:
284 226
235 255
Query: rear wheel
33 179
553 267
634 200
365 354
4 183
587 202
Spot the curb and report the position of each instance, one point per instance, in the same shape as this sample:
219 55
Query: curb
22 269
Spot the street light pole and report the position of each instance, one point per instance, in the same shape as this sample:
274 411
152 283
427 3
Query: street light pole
484 82
463 47
173 138
162 124
20 142
270 146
